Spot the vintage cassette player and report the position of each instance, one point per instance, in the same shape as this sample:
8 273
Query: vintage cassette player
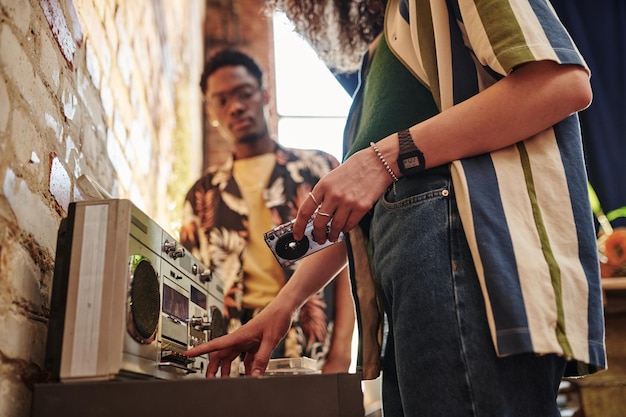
287 250
127 300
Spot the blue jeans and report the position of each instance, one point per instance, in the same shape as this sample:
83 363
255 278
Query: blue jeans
439 358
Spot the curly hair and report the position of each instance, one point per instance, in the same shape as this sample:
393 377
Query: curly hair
338 30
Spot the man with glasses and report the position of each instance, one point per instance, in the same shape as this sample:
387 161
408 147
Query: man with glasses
262 186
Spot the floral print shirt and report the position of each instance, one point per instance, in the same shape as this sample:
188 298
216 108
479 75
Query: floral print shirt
215 230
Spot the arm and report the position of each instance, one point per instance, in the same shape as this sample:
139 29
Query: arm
340 354
259 336
531 99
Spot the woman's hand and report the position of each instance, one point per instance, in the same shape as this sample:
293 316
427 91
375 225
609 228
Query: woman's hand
344 196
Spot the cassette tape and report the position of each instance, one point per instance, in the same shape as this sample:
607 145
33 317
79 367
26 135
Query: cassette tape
288 250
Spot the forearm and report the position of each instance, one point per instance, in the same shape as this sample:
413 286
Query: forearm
313 273
340 354
528 101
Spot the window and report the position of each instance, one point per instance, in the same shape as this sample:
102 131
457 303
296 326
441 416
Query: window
312 106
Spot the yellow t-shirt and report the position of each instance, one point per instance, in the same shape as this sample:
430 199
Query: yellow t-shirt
263 275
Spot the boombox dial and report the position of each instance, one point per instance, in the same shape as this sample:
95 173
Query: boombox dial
216 326
204 274
200 323
172 249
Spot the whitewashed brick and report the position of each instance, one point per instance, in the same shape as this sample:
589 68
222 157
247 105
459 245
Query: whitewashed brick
125 62
110 27
49 60
15 397
44 108
106 97
116 155
91 101
28 341
22 74
18 14
73 156
92 145
60 184
16 63
27 145
52 122
70 102
94 30
119 129
21 277
32 213
93 65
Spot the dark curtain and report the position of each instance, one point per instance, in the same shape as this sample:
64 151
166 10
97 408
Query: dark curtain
598 29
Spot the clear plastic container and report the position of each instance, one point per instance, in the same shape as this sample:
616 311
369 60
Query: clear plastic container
292 366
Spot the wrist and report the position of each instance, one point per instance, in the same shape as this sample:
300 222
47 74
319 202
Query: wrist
383 161
389 148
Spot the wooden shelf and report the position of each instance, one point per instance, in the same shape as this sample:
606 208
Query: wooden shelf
614 283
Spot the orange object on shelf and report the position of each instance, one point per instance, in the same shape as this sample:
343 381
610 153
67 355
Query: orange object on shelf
615 247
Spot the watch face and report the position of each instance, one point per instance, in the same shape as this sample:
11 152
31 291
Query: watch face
411 162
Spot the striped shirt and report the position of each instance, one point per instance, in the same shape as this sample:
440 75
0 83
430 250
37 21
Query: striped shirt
525 208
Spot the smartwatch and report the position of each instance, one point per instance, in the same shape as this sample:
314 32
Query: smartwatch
410 159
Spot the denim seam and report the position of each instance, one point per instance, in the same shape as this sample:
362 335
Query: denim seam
455 255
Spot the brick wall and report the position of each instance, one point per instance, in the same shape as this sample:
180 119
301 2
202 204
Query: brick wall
106 88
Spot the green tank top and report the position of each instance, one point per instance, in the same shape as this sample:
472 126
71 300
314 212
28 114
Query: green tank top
393 99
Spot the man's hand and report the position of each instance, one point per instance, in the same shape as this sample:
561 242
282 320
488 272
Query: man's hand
257 339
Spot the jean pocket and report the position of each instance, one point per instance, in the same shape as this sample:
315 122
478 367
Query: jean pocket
414 190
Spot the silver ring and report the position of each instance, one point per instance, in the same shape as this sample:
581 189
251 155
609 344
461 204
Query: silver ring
314 199
321 213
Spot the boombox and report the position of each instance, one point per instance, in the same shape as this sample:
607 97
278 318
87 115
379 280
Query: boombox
127 300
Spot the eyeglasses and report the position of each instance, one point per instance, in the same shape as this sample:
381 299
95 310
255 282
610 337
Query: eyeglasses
243 94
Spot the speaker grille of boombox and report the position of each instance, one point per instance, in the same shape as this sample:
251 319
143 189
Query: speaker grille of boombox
127 300
144 302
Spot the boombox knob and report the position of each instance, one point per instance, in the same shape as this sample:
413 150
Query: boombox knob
178 253
200 323
169 246
204 275
172 249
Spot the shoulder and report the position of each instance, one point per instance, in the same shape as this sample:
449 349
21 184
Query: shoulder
534 33
202 184
214 177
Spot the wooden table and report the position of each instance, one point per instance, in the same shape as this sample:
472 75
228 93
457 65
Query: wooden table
323 395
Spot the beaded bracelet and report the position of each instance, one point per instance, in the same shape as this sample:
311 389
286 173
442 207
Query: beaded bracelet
387 167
